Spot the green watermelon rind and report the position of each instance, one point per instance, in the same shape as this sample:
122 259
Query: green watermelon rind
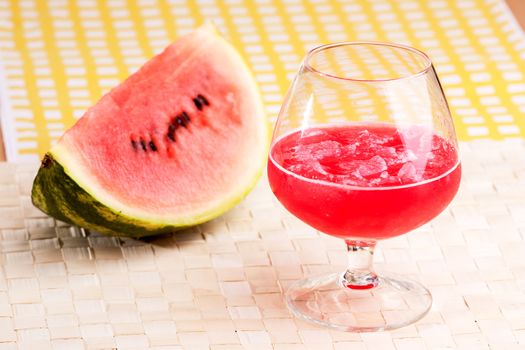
59 196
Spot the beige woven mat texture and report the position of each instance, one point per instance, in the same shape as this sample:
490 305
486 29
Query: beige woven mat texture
219 285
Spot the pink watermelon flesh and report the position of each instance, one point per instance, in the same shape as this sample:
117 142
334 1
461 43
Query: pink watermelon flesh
175 136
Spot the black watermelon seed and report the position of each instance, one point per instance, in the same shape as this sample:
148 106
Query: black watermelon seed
198 103
152 146
180 121
171 132
203 100
185 116
143 144
134 144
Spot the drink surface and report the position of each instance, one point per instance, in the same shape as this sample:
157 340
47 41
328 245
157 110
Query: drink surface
364 181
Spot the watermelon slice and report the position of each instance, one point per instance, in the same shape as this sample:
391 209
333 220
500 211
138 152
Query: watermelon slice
178 143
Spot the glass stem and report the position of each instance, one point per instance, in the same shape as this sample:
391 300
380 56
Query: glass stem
360 273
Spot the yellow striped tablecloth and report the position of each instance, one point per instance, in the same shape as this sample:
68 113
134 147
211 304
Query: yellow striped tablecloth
60 56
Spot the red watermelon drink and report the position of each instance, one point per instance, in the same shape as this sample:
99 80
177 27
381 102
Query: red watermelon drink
364 181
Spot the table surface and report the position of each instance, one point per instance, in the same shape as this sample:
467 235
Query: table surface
219 285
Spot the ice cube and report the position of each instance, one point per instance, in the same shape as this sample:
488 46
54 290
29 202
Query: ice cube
350 149
391 180
348 181
347 166
410 156
423 136
363 134
357 174
318 168
417 138
407 173
326 149
303 154
296 168
373 166
387 152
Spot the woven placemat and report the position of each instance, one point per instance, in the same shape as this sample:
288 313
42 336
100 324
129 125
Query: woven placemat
219 285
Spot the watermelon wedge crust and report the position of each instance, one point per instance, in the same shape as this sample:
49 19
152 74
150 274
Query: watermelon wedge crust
178 143
58 195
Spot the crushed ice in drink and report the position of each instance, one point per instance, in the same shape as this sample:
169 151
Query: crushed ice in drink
407 173
377 156
374 166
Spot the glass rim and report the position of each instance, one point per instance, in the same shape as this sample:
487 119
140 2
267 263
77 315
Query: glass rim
320 48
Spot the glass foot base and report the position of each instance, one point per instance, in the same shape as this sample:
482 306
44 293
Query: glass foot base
395 302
